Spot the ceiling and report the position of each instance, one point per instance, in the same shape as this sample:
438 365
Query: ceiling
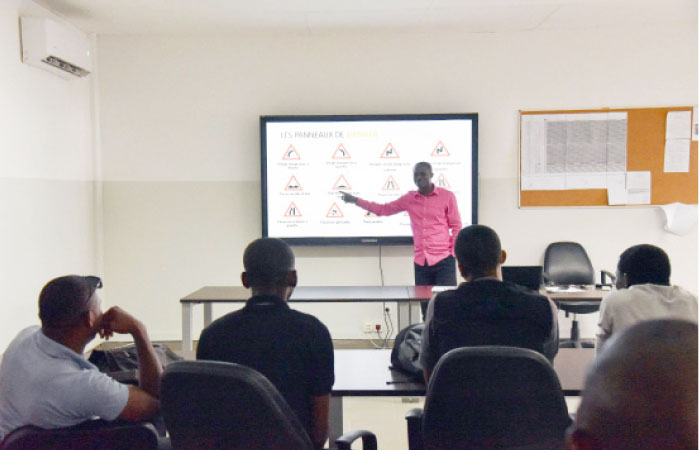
217 17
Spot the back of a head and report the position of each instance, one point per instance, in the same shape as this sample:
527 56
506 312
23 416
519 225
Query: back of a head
478 250
267 262
645 263
642 390
64 299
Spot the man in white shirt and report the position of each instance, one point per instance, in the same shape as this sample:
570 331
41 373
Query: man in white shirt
46 381
644 293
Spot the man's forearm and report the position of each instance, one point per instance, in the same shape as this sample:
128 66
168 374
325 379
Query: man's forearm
149 366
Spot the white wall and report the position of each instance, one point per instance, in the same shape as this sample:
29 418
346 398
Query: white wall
179 124
47 189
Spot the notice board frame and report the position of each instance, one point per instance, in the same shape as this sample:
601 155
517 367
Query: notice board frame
646 139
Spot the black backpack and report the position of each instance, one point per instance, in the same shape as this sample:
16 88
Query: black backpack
404 355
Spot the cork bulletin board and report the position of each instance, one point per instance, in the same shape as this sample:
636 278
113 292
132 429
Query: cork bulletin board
646 138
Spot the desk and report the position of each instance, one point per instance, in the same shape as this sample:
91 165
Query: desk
364 373
404 296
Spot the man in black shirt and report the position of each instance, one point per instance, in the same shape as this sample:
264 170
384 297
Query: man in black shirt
484 310
292 349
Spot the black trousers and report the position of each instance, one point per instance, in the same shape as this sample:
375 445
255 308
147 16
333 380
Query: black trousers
441 274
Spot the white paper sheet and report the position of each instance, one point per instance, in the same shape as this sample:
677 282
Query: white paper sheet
638 188
543 182
617 188
586 180
678 125
533 151
677 155
680 218
695 123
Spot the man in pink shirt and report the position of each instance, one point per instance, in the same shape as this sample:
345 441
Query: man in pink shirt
435 223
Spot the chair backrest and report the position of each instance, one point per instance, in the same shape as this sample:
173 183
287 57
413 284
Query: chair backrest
92 435
219 405
567 263
494 397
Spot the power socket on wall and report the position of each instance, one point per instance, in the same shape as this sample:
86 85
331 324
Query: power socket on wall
372 327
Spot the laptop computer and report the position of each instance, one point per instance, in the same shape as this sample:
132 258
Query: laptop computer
529 277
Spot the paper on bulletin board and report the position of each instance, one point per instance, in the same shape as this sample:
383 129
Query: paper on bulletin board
695 123
638 188
617 188
678 125
677 155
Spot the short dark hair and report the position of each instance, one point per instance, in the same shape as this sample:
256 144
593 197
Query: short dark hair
645 263
64 299
423 164
478 250
268 261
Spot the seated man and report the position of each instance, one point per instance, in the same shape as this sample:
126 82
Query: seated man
46 381
644 293
642 391
292 349
486 310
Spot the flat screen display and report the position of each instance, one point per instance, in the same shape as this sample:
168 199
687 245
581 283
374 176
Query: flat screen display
307 161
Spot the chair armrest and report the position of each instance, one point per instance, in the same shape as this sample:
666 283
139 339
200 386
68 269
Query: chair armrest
414 425
369 440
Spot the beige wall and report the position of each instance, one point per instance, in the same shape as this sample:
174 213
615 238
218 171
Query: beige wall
48 219
180 145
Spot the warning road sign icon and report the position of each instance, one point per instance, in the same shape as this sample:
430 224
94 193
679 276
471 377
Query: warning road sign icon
334 212
291 153
292 211
390 184
389 152
341 153
442 181
293 185
440 150
341 184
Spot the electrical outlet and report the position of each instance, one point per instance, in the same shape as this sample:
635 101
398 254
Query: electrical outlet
369 327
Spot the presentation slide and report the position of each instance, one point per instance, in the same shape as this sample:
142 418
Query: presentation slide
307 162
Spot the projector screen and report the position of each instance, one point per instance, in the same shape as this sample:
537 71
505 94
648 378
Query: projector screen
306 161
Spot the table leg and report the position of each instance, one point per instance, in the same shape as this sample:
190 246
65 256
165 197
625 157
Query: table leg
187 327
207 314
336 420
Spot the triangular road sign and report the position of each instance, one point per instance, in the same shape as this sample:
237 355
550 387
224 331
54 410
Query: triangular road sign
390 184
341 153
292 211
442 181
440 150
291 153
293 185
334 212
389 152
341 184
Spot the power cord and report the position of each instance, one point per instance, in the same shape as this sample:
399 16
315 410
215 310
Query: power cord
381 269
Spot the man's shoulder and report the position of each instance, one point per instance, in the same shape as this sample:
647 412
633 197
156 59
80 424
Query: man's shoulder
492 289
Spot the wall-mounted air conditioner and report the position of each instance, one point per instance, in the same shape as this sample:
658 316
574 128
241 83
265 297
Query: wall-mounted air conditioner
55 47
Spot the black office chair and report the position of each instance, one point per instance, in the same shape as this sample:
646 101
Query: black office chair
224 406
91 435
565 264
490 398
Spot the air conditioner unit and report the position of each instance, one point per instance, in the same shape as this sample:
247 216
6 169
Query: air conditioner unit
55 47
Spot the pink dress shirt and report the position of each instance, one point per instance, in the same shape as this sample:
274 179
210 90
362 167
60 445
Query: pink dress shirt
433 216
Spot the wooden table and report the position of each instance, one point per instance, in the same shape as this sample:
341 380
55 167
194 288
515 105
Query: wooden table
366 373
403 296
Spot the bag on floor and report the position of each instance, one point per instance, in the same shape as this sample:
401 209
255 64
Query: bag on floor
404 355
120 359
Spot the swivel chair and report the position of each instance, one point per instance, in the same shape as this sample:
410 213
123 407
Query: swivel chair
90 435
213 405
490 397
565 264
